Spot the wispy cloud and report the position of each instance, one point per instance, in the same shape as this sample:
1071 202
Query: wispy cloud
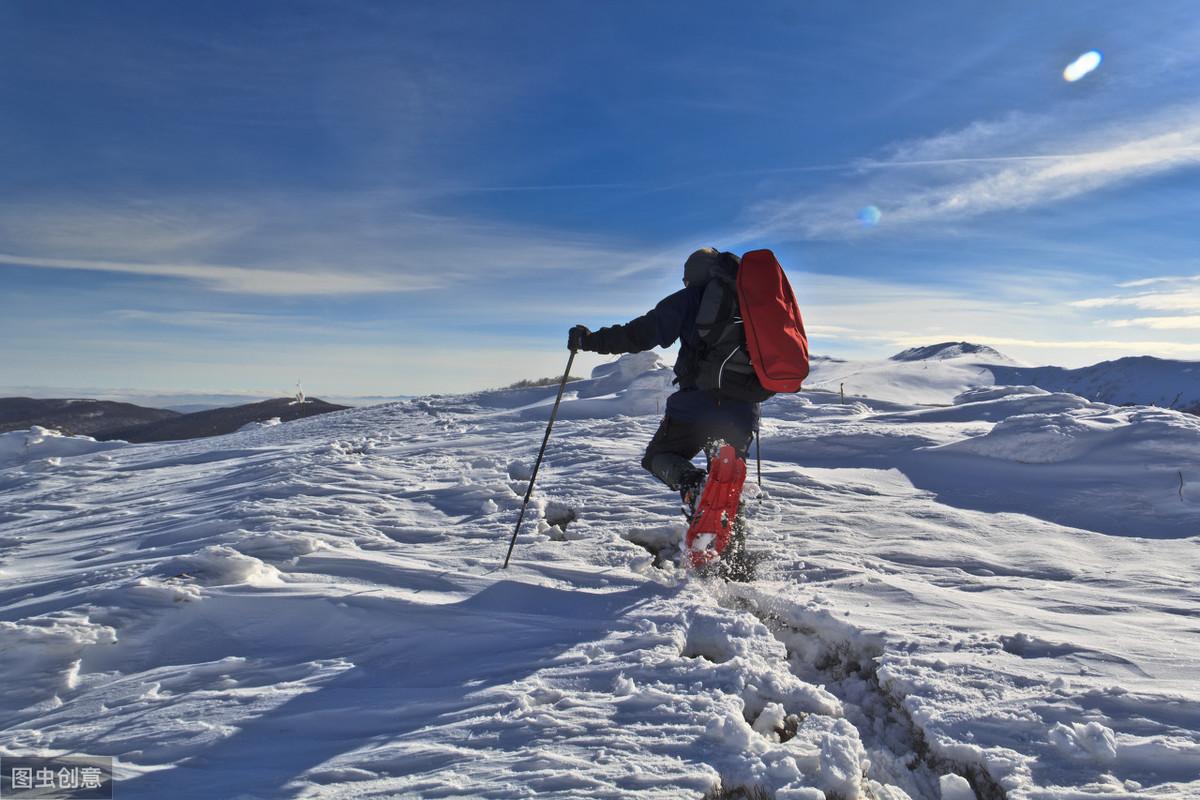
1177 297
1191 322
981 169
1172 294
1162 279
223 320
242 280
309 244
1093 349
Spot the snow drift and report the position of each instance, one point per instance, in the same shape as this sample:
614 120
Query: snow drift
47 446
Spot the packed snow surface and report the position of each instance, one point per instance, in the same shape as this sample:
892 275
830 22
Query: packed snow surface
993 597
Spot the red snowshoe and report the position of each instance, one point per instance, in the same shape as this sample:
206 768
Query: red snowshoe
714 515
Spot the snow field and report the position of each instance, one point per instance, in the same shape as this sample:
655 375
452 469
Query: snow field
315 609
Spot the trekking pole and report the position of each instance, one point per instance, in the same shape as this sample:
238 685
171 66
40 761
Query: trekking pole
758 451
538 464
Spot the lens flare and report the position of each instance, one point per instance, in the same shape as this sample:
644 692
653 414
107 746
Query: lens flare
869 216
1082 65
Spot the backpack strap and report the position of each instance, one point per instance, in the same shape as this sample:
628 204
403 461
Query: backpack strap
724 314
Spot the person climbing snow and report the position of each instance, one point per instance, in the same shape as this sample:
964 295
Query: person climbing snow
716 407
694 418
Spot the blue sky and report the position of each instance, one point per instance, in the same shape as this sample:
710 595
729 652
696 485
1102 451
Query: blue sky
398 198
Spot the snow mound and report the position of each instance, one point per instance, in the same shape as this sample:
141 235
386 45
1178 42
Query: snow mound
955 787
221 565
981 393
45 653
944 350
1125 434
991 404
256 425
22 447
1091 741
622 372
634 384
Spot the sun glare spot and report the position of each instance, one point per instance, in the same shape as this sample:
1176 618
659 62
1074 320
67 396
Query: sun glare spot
1082 65
869 216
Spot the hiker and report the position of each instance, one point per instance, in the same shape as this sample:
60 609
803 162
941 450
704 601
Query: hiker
694 417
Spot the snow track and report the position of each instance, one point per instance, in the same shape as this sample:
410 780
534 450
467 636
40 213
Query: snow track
845 663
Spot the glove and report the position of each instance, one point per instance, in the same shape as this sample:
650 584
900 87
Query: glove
577 336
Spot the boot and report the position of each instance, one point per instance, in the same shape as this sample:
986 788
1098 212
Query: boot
691 486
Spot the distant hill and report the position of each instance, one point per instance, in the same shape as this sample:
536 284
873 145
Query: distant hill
218 421
944 350
74 416
1134 380
928 375
934 374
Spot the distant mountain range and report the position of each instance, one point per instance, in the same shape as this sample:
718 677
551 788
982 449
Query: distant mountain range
936 373
1134 380
107 421
183 402
218 421
78 417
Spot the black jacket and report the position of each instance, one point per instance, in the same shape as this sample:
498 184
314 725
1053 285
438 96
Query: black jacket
674 318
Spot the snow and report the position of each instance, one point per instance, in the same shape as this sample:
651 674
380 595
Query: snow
1137 380
18 448
1137 435
993 596
955 787
946 350
929 375
935 374
267 423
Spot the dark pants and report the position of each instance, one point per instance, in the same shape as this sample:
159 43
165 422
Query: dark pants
669 454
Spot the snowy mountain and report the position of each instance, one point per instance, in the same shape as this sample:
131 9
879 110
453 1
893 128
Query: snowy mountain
991 598
82 416
1137 380
217 421
935 374
938 352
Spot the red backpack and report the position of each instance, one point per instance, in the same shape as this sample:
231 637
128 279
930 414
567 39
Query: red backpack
774 329
752 341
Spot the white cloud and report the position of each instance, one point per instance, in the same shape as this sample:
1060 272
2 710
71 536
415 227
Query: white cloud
1097 302
1152 281
353 243
1177 297
1093 349
1191 322
243 280
223 320
1171 294
981 169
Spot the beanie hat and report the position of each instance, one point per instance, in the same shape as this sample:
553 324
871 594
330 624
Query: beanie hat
698 267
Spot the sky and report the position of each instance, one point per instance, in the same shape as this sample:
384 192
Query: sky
406 198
